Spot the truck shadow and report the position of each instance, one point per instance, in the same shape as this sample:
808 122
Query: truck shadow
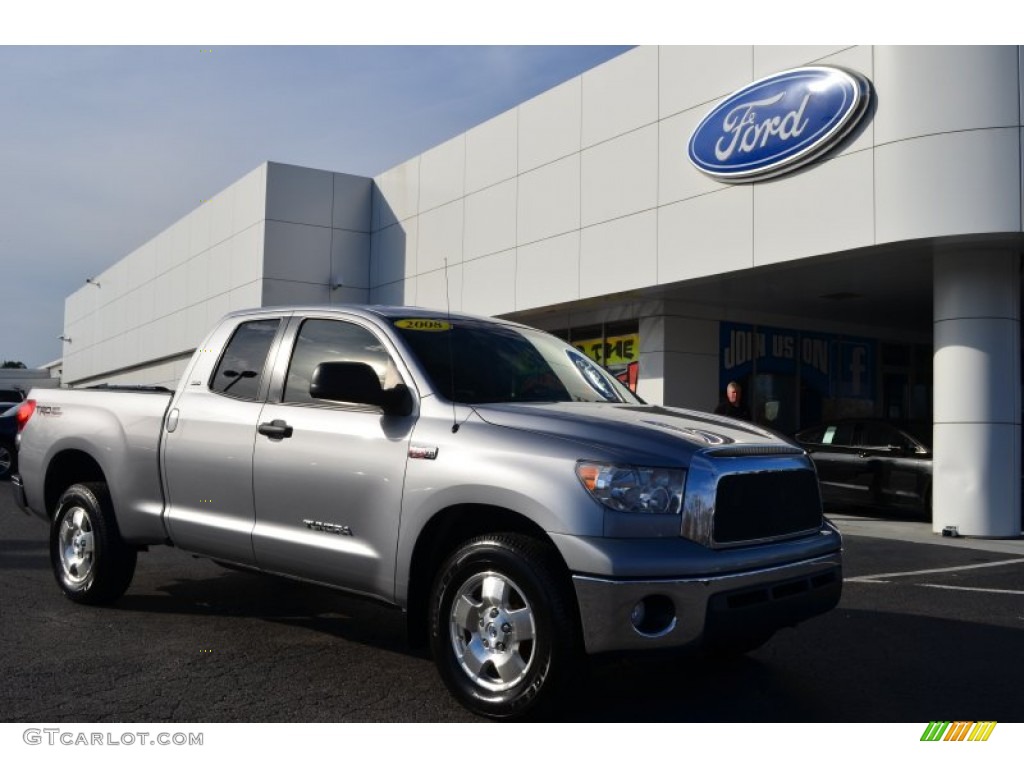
240 594
847 666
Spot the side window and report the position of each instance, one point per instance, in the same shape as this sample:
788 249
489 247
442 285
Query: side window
843 434
322 341
241 368
877 435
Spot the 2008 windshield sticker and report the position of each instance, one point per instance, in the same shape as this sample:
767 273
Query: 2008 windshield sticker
423 324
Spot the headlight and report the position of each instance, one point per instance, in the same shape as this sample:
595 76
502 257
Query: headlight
654 490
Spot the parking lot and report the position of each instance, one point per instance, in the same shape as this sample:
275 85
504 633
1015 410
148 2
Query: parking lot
927 629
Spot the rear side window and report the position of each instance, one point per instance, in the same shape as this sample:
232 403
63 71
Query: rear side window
241 368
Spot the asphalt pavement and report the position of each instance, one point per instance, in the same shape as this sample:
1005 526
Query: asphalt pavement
928 629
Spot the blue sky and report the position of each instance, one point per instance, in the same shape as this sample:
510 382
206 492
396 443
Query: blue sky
101 148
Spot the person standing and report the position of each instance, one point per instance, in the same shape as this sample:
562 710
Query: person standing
733 405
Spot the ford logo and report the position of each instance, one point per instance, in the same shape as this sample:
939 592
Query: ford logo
779 123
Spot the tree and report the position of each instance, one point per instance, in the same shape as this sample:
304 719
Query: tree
13 364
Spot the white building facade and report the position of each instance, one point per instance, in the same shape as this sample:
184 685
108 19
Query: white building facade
880 279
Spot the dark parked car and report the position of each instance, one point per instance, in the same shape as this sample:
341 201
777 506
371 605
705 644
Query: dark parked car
872 463
8 431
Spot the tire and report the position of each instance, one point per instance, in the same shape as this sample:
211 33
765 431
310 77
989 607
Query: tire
503 626
8 461
91 562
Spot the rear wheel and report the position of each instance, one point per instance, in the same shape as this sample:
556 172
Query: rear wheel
91 562
502 625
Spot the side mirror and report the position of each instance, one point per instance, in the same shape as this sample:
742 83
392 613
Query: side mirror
358 383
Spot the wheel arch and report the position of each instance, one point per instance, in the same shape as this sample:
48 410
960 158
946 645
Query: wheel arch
64 470
447 529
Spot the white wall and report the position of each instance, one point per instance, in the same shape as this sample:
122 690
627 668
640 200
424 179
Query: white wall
586 190
161 299
280 235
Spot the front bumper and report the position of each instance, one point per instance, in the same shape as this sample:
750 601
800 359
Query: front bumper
706 608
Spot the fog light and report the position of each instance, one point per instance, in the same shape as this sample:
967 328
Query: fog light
653 616
638 614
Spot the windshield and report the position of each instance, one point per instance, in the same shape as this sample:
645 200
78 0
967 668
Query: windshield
477 362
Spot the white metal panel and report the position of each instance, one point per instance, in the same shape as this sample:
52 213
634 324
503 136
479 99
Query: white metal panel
297 252
677 178
827 209
249 199
440 237
858 59
489 284
935 89
491 220
769 59
620 176
442 174
221 213
164 246
198 230
694 75
706 235
549 200
397 194
198 269
399 293
491 152
547 272
283 292
620 95
352 202
219 266
393 252
299 195
180 251
216 308
549 125
246 256
246 296
350 259
619 255
440 289
949 184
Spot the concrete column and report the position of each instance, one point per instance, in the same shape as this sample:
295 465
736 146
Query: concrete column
977 466
679 361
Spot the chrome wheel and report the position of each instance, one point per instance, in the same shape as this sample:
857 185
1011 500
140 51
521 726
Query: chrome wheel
76 546
492 631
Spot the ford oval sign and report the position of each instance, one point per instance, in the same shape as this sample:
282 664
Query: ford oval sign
779 123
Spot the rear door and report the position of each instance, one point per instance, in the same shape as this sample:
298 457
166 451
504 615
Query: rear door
838 463
208 445
328 476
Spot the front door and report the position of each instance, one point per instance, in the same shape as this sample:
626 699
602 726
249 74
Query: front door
328 476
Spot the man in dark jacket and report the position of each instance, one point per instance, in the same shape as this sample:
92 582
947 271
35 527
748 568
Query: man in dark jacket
733 405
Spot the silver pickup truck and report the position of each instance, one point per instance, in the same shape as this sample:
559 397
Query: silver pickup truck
514 499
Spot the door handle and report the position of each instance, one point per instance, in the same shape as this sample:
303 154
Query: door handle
275 430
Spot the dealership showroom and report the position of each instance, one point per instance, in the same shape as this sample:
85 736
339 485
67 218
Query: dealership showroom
837 229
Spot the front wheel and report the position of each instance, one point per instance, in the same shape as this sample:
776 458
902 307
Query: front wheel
502 625
91 562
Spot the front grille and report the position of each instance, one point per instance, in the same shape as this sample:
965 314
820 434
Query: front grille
764 505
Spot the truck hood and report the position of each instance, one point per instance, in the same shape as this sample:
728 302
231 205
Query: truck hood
653 430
